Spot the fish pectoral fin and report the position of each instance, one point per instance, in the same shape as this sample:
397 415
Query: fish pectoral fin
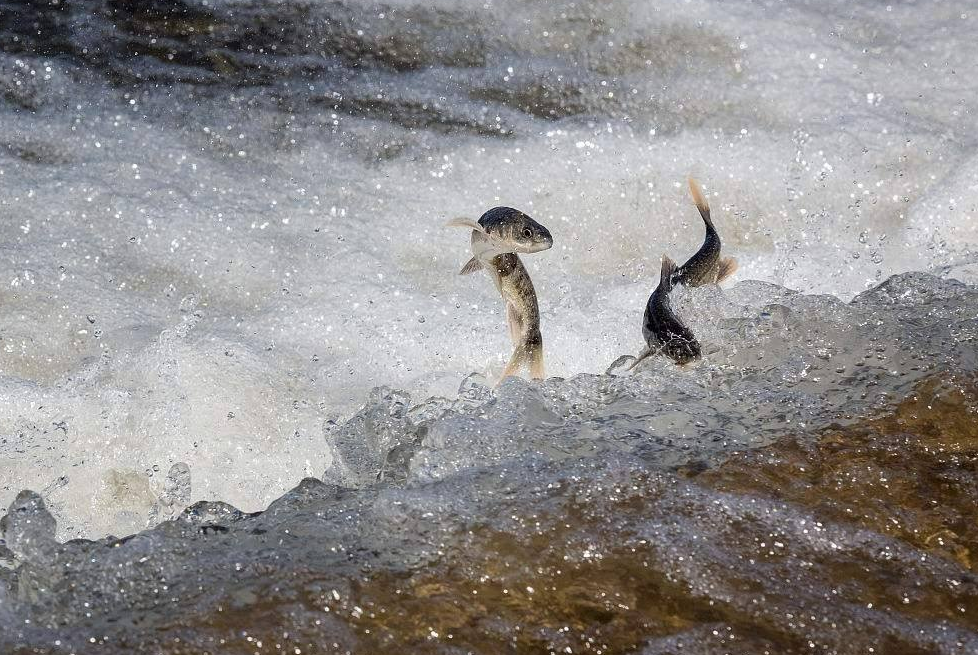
465 222
618 363
471 266
728 266
645 355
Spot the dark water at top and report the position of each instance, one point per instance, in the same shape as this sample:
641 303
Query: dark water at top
236 361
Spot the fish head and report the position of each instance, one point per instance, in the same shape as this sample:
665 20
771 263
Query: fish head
510 230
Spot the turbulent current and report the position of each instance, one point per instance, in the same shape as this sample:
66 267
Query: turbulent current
247 405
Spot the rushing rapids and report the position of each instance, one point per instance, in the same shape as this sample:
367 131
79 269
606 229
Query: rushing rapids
823 501
251 399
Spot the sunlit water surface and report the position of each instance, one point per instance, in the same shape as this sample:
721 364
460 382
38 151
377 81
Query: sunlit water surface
223 270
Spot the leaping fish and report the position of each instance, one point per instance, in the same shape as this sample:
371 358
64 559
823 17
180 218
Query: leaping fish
496 238
706 266
665 332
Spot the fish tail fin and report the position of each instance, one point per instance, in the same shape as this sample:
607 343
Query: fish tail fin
728 266
667 272
471 266
701 204
514 365
525 354
461 221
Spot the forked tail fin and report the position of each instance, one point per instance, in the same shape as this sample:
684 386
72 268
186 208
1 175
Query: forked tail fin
701 204
728 266
529 355
516 362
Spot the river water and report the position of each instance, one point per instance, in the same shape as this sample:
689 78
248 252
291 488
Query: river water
226 285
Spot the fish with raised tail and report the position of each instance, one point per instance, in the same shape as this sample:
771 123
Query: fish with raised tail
496 238
706 266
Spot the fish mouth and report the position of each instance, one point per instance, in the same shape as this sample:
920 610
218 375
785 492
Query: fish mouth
543 242
535 247
521 248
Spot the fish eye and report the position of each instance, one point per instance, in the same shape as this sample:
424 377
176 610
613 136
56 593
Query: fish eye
527 233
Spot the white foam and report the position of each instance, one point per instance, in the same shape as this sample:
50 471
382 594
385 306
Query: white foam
828 142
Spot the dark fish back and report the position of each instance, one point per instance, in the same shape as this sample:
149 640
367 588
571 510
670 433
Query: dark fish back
665 332
703 266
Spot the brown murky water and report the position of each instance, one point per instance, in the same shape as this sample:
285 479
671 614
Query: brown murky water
854 540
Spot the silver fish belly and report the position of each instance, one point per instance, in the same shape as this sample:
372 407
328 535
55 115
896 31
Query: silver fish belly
522 311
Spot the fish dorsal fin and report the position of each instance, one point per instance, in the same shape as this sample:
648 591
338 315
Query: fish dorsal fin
465 222
665 275
701 204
